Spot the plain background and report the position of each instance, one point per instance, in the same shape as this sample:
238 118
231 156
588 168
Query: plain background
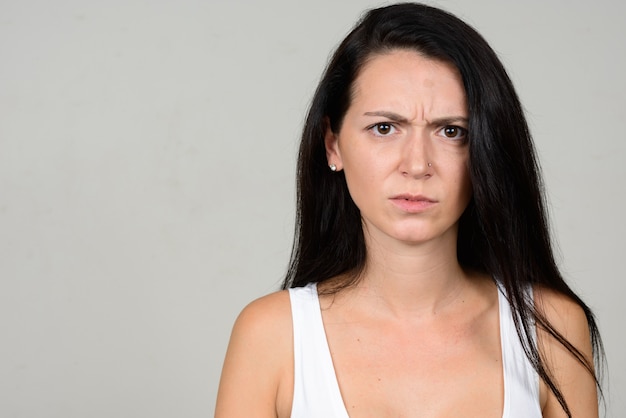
147 159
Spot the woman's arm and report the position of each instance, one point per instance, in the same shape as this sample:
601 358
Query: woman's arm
258 360
576 384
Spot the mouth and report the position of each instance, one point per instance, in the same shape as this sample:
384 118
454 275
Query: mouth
413 198
413 203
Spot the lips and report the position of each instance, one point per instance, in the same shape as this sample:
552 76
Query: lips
412 203
413 198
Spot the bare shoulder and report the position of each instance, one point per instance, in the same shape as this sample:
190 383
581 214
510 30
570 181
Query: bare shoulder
258 358
564 314
575 382
265 317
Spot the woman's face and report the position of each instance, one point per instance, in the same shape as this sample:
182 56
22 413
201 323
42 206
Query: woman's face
403 147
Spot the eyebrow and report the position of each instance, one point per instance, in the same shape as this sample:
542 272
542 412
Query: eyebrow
401 119
389 115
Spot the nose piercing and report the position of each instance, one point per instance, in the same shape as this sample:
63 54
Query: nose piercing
430 164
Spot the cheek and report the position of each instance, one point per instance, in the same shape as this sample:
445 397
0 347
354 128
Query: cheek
359 164
458 177
465 184
363 174
358 179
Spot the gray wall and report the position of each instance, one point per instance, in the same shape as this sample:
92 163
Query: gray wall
147 169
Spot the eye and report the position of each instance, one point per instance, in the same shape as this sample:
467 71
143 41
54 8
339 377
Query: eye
382 129
453 132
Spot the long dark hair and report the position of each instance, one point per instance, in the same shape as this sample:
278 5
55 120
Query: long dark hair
504 230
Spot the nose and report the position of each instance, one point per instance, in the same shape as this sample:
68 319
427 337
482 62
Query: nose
414 158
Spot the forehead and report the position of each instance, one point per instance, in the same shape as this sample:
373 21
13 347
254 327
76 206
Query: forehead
401 77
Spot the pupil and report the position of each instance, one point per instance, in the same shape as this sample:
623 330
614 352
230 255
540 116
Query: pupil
383 128
451 131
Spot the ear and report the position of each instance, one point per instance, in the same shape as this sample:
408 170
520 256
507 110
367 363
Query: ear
331 142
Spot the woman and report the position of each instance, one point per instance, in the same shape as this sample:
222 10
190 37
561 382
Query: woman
422 281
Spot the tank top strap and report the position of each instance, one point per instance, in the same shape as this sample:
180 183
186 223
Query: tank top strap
521 381
316 391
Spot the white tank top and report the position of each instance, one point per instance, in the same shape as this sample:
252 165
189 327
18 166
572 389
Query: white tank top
316 390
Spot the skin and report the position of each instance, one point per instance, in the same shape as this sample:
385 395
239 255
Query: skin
418 336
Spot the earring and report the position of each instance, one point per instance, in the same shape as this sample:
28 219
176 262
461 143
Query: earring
333 167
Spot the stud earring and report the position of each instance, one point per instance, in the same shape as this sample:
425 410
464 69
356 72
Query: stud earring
333 167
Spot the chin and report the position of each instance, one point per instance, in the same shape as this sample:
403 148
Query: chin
413 237
422 235
414 240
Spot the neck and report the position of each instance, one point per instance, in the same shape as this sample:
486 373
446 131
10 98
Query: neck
413 279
